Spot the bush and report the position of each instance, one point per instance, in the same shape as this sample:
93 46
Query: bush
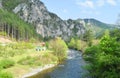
46 58
22 45
6 75
8 51
77 44
6 63
59 48
104 58
90 53
27 60
72 43
3 34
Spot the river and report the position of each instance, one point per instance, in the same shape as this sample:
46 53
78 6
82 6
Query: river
71 68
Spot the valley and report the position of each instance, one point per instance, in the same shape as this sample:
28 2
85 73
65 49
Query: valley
37 43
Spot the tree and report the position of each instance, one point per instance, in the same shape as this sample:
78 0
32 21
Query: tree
104 58
107 33
116 34
88 37
72 43
15 27
78 44
59 48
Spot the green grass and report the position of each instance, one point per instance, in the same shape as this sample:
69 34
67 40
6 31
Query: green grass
22 57
6 75
6 63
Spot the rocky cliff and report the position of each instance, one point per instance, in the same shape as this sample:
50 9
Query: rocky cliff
0 3
46 23
49 24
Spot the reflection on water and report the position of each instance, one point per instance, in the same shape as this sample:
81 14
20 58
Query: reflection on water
71 68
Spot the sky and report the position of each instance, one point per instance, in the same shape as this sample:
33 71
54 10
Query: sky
106 11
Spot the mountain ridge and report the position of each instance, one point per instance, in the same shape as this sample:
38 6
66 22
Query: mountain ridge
49 24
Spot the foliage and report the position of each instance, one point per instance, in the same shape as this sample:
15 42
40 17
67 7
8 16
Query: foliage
3 34
47 58
59 48
27 60
21 45
6 63
8 21
104 58
88 37
72 43
77 44
11 4
5 75
13 49
115 33
90 53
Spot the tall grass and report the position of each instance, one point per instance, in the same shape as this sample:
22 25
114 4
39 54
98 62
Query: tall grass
39 60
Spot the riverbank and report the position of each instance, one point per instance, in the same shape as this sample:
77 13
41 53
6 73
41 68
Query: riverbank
22 58
71 68
38 70
31 63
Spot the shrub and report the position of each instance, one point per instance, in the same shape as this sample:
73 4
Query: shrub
8 51
6 75
59 48
21 45
104 58
27 60
6 63
77 44
90 53
83 45
46 58
3 33
72 43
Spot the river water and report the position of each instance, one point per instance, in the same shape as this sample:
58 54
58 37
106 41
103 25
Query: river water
73 67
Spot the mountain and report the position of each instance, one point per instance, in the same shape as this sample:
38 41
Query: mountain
97 27
49 24
0 4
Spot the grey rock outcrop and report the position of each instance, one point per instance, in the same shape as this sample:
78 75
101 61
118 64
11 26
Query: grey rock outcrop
49 24
0 3
46 23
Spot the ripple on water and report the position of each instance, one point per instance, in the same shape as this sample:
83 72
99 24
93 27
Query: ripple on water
71 68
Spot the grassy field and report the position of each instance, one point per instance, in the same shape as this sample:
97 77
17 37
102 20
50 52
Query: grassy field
22 57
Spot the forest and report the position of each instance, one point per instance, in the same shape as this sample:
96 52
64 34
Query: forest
12 26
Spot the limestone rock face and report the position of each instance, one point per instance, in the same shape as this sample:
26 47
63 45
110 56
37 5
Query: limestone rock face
0 3
49 24
46 23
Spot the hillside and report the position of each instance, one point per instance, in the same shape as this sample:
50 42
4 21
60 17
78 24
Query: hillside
97 26
48 24
14 27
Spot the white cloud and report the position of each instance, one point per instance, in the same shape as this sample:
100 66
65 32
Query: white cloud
112 2
87 3
90 12
97 3
65 11
100 3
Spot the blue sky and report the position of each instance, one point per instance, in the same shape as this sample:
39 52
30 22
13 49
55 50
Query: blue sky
104 10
